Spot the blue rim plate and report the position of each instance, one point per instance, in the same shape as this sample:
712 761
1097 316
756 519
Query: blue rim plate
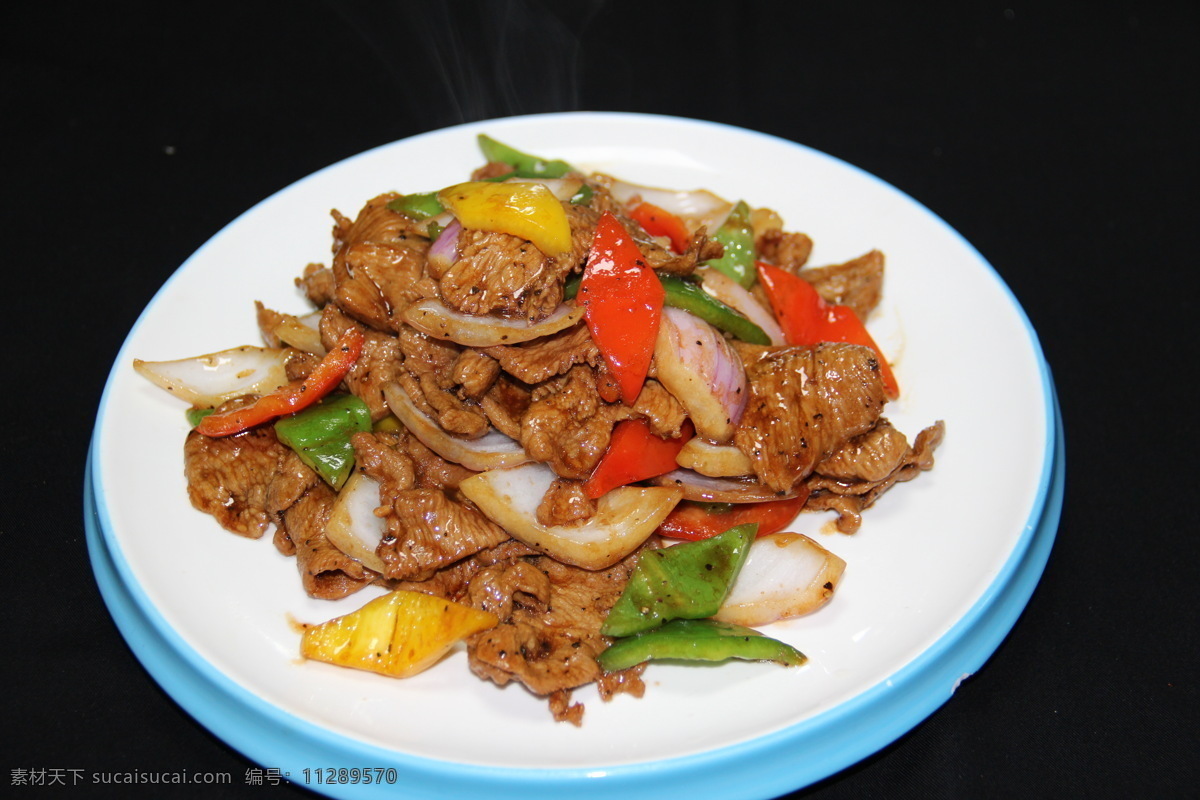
937 577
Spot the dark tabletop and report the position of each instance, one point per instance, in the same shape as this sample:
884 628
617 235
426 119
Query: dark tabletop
1058 137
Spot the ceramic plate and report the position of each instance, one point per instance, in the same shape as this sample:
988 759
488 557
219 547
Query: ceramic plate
936 576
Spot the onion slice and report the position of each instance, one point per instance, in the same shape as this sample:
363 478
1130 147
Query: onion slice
696 364
785 575
714 460
211 379
624 518
732 294
353 527
433 318
444 250
490 451
702 488
302 333
697 207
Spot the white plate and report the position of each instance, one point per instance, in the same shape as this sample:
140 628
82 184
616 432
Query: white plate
932 560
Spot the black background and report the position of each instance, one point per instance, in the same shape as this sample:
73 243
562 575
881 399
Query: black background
1058 137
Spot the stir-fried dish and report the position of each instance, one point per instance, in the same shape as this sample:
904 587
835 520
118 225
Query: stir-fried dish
561 418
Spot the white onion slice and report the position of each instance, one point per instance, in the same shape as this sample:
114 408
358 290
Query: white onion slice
353 527
785 575
433 318
732 294
624 518
696 364
490 451
213 378
714 460
562 188
697 207
702 488
302 333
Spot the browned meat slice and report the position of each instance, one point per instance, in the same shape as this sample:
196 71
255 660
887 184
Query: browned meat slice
505 404
787 250
568 426
804 403
871 456
497 273
428 377
700 249
660 409
474 372
433 471
317 284
230 477
492 169
452 582
326 572
850 496
426 531
565 503
379 457
268 319
549 634
857 283
548 356
378 264
376 367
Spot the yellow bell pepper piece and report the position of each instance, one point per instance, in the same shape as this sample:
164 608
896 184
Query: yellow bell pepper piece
398 634
527 210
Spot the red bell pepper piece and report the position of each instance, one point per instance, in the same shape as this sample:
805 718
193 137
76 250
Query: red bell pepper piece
807 319
622 303
634 454
694 521
660 222
294 397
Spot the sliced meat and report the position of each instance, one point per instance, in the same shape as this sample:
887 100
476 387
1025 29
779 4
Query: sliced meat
452 582
325 571
857 283
568 426
849 497
497 273
804 403
660 409
378 264
550 636
230 477
318 284
548 356
505 404
871 456
700 248
377 366
426 531
787 250
474 372
428 377
565 503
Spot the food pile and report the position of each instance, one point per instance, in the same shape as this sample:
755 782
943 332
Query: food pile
562 418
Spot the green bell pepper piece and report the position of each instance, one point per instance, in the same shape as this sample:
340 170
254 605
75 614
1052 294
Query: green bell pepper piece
686 581
687 295
698 640
737 235
418 206
523 164
320 435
